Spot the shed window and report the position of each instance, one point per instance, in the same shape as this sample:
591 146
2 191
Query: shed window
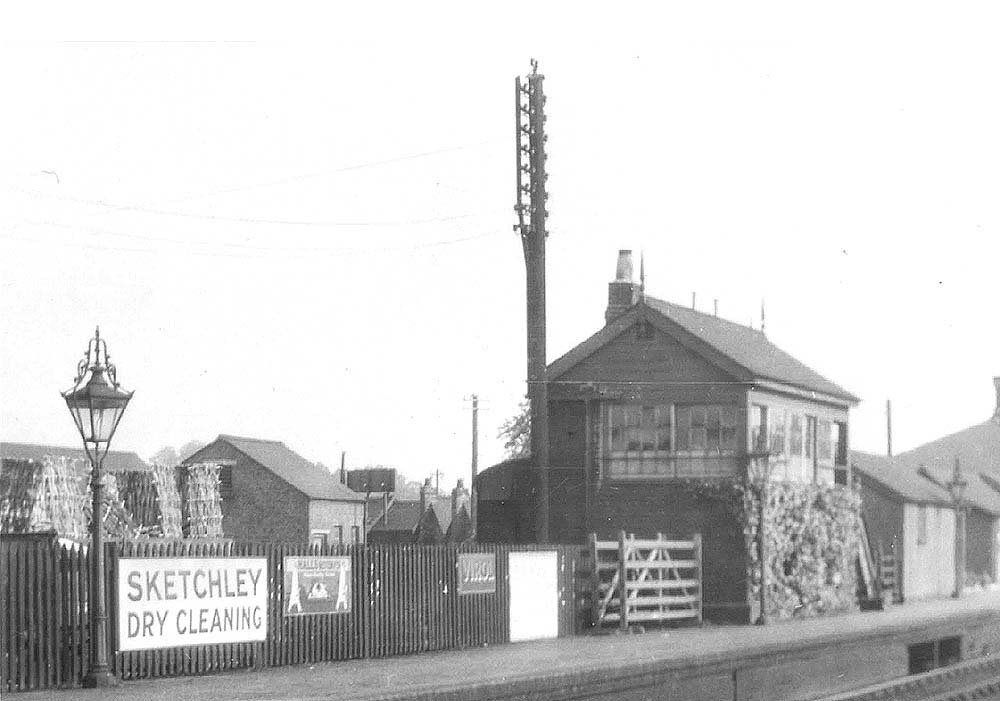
226 482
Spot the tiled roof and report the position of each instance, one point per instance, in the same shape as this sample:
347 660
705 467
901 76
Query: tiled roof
978 451
275 456
746 349
404 514
117 461
899 478
977 448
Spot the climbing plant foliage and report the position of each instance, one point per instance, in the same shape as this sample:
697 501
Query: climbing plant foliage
812 540
813 537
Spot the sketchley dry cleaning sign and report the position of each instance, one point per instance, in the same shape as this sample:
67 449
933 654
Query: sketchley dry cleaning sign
170 602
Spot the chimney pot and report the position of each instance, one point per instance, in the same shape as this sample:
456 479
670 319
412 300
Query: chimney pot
424 492
623 271
459 497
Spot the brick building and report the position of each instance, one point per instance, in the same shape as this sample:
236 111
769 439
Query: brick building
662 397
271 493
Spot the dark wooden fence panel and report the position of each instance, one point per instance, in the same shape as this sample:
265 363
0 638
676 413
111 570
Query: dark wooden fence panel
405 600
44 632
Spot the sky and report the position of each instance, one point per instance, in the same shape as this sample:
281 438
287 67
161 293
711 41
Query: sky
297 226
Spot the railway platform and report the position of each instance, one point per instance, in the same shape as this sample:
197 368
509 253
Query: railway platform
797 659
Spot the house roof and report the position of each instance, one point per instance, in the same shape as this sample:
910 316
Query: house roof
978 451
976 447
899 478
310 479
978 492
404 514
747 350
117 461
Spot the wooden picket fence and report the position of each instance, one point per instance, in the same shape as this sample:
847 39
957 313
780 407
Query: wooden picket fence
638 581
405 600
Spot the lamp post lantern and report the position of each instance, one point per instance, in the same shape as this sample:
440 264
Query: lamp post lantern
760 473
96 407
957 487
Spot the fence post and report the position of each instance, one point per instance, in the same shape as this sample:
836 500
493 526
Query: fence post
622 581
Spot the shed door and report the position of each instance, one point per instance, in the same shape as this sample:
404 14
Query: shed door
534 595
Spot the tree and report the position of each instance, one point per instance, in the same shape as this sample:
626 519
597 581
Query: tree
516 433
165 456
190 448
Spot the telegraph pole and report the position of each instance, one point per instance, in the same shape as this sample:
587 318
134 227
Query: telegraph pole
473 492
531 196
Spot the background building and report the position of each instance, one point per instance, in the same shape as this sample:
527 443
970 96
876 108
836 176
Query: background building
271 493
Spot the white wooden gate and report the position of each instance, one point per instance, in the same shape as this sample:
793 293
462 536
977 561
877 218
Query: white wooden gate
637 581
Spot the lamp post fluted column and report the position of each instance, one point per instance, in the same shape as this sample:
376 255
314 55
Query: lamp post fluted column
96 407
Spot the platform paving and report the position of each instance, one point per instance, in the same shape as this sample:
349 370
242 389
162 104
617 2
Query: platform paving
492 672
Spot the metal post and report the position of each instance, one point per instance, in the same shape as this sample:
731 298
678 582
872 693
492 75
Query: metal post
762 552
99 674
473 491
957 487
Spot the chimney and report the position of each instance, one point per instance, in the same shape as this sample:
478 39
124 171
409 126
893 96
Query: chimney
459 498
996 411
623 292
424 493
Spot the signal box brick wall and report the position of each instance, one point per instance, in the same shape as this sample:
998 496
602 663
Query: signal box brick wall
261 506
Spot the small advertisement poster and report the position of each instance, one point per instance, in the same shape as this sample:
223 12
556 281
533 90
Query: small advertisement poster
477 573
179 601
317 585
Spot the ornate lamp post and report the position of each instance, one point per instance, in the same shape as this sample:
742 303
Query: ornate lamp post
759 470
957 487
96 408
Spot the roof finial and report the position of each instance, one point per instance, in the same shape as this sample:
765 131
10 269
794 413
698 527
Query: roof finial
762 322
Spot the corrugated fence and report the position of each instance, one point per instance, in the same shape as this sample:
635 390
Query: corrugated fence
405 600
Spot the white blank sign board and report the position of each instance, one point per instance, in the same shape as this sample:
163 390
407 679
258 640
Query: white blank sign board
534 595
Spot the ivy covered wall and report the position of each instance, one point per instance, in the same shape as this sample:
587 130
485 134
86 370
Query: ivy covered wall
813 540
813 537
